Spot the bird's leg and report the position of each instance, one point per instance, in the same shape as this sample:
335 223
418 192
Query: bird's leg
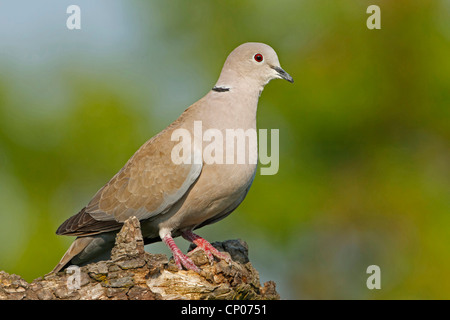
180 258
204 245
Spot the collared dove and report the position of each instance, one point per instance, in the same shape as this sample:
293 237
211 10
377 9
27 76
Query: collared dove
172 199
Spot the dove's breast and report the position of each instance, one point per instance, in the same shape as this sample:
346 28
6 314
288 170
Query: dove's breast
230 154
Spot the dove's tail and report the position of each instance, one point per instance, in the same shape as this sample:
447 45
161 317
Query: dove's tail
75 248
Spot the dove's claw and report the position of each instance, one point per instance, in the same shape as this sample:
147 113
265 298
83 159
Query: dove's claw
180 258
205 246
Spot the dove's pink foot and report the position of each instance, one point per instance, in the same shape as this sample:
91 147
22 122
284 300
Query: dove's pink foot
180 258
204 245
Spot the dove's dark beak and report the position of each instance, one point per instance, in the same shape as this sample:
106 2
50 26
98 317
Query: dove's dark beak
283 74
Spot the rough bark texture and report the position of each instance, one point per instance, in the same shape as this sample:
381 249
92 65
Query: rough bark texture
133 274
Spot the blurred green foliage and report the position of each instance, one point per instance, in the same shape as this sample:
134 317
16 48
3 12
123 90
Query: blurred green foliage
364 134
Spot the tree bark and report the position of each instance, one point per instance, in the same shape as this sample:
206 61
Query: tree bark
133 274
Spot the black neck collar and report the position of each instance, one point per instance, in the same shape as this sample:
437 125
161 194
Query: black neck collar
221 89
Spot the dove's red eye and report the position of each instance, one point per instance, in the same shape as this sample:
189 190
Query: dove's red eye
258 57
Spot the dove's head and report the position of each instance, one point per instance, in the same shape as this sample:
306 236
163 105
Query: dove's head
253 63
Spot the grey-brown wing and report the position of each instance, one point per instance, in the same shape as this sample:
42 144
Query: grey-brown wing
148 185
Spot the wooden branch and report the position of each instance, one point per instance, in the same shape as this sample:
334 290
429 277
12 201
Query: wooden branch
133 274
